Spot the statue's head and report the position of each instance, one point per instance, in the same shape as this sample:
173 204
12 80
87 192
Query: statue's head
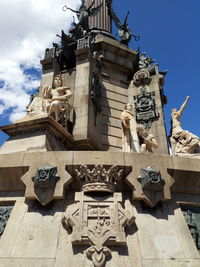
128 107
141 131
57 81
175 114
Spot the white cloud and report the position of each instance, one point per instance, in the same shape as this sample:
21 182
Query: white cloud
27 28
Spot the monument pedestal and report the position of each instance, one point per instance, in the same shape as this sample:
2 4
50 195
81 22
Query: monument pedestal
41 133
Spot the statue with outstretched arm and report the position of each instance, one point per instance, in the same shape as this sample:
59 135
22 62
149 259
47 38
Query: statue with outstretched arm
124 31
176 115
84 13
182 141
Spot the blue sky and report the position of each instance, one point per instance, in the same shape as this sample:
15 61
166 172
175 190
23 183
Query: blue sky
169 31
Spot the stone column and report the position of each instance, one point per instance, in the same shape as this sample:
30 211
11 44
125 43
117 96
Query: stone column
102 19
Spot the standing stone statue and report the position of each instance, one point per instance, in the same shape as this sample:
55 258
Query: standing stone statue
182 141
147 140
58 104
83 15
130 138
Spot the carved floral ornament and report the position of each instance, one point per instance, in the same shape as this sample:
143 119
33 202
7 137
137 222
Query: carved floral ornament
98 178
141 77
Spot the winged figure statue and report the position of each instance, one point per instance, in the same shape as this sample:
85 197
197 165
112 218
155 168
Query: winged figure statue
124 31
84 13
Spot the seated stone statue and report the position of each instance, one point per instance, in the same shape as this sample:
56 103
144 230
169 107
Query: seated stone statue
182 142
129 137
58 103
52 101
37 106
147 140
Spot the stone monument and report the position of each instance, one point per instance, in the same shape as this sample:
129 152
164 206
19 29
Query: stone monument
86 178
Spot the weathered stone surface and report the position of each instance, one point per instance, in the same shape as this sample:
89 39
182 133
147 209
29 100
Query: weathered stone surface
26 262
8 239
38 234
171 263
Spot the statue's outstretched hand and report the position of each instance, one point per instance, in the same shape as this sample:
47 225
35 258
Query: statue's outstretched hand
65 8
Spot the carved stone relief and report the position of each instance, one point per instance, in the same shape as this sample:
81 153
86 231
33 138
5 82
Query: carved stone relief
99 222
192 217
151 179
84 42
96 94
5 212
98 178
45 180
152 185
141 78
147 140
145 108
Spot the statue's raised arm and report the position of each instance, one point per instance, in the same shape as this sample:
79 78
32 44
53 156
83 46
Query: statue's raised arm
182 108
89 8
113 15
65 8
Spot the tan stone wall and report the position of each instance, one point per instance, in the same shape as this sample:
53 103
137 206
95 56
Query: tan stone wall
35 235
114 100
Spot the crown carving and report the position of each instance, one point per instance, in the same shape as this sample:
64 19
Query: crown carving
98 178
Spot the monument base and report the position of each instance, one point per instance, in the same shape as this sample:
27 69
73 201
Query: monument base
41 133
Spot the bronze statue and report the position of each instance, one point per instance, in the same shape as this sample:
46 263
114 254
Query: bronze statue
124 31
145 63
84 13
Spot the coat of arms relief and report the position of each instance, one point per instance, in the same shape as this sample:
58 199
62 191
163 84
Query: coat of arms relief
99 221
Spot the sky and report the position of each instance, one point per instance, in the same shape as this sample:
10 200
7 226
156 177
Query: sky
169 31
